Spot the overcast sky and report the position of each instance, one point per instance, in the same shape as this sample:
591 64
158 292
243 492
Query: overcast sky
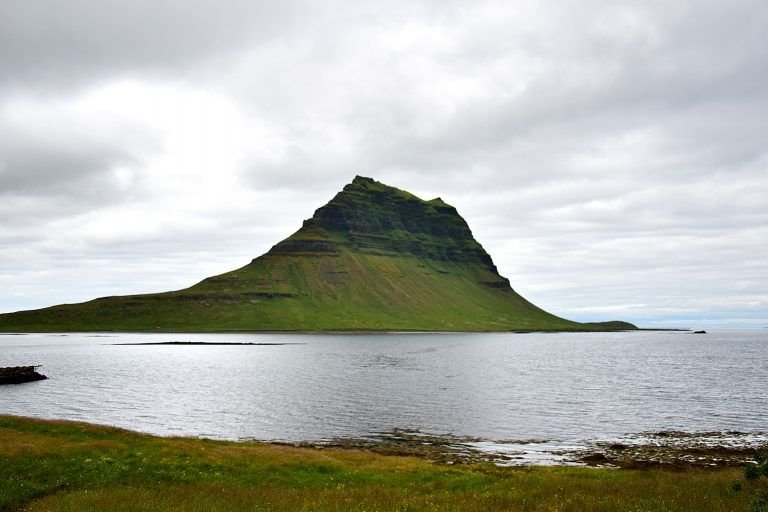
612 157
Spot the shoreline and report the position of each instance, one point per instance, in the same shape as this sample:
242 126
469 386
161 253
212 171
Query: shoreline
674 450
342 331
68 466
653 450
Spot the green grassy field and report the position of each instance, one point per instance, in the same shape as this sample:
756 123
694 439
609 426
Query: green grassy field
63 466
346 291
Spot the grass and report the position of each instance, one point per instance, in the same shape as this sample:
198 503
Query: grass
346 291
64 466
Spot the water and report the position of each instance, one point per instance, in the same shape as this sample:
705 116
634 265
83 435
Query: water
556 389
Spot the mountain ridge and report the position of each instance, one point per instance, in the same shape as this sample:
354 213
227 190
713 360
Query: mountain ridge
374 258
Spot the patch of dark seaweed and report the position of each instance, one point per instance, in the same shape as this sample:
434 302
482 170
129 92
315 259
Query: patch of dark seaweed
662 450
674 450
440 449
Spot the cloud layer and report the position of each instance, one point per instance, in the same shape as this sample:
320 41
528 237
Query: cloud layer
610 156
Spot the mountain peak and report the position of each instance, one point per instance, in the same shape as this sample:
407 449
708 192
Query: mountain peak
373 218
361 180
362 184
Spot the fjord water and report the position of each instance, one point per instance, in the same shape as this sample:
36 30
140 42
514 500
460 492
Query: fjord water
308 387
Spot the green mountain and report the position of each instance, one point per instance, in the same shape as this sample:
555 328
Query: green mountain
373 258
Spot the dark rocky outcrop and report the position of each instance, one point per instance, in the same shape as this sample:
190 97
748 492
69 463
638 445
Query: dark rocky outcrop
20 374
370 217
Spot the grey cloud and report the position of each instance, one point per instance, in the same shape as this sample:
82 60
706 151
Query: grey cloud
46 44
297 167
57 164
610 155
590 90
53 171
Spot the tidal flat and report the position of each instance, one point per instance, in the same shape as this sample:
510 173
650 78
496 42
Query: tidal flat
50 465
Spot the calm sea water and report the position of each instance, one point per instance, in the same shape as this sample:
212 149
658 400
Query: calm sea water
497 387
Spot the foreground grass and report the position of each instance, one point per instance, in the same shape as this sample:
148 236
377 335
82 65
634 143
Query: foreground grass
63 466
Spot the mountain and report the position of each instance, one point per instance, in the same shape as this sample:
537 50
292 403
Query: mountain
373 258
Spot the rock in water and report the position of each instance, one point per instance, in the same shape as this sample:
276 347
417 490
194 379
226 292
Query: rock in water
373 258
20 374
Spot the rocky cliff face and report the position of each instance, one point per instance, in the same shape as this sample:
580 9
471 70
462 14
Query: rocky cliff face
373 218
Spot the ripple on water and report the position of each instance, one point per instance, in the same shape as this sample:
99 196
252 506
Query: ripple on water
590 387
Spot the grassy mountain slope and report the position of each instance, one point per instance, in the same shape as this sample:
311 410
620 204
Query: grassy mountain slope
373 258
